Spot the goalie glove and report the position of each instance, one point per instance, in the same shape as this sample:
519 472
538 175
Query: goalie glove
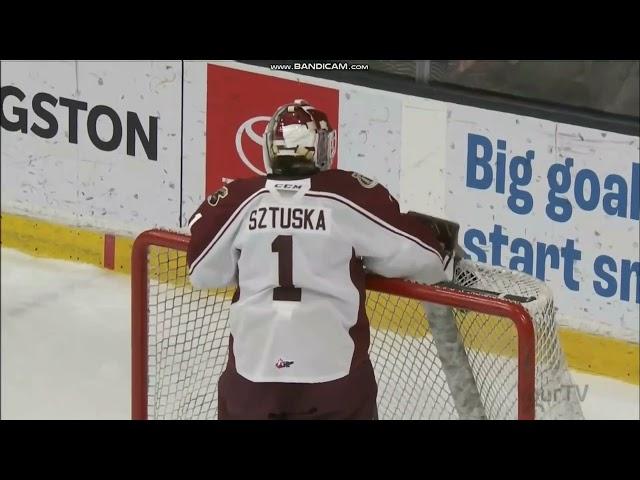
446 233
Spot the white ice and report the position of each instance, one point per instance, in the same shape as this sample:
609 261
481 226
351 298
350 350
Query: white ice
66 346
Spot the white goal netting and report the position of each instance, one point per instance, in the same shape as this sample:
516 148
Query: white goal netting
188 333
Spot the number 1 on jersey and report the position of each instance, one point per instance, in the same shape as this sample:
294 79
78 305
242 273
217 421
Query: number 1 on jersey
283 246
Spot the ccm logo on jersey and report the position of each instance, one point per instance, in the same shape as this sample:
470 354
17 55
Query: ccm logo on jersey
288 186
287 218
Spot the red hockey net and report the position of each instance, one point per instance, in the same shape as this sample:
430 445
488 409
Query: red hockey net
180 341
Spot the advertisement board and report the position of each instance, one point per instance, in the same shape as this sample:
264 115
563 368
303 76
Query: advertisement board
556 201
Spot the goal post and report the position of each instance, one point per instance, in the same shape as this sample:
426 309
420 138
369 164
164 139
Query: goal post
140 312
446 295
503 333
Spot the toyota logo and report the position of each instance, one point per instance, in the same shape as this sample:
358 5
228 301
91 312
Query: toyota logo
248 128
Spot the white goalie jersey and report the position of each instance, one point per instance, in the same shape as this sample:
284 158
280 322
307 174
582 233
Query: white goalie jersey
298 250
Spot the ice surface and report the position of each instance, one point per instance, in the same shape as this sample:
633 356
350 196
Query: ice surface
66 346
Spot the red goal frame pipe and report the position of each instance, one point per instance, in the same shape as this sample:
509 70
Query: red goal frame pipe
430 293
139 312
492 306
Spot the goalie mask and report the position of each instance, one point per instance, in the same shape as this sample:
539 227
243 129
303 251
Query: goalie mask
298 140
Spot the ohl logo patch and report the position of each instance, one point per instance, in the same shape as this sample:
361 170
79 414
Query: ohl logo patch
283 364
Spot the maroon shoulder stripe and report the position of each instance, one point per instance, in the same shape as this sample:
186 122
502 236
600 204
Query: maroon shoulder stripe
398 231
222 231
373 198
218 212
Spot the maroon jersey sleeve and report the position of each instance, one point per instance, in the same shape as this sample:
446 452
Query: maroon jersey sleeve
390 242
210 256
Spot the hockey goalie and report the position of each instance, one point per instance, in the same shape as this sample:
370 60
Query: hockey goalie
297 244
